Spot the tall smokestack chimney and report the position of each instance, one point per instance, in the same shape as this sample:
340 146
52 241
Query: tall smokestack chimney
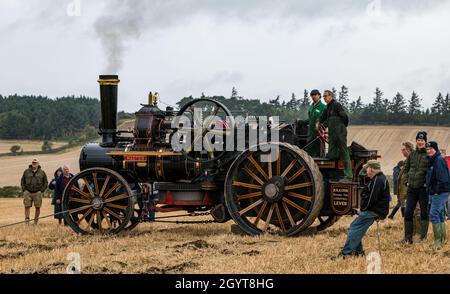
108 101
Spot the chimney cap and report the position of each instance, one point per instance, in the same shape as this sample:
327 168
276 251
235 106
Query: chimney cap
108 77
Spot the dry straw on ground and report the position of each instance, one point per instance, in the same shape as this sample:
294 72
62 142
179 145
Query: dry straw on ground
167 248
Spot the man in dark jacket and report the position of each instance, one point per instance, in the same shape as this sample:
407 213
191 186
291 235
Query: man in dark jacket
336 120
438 187
34 183
374 205
416 166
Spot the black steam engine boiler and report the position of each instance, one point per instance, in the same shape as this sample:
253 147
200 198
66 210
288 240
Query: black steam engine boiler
136 175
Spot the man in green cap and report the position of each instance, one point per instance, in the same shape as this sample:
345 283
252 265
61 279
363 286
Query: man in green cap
336 120
374 206
315 147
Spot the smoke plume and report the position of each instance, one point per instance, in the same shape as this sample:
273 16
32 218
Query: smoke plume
121 24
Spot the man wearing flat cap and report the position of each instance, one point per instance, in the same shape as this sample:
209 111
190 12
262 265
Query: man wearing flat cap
438 188
416 166
34 183
336 120
316 147
374 205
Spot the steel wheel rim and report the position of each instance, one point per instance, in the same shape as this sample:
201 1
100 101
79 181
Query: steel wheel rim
98 201
248 204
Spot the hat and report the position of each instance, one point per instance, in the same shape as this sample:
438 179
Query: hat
35 160
372 164
421 135
315 92
433 145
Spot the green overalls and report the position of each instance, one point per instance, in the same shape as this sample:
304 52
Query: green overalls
336 120
315 112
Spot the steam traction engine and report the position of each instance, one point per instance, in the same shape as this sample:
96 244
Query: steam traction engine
125 180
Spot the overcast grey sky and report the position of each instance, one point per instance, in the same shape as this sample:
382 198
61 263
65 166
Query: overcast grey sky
263 48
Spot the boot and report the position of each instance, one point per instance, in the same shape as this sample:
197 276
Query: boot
402 210
409 230
424 229
443 233
437 230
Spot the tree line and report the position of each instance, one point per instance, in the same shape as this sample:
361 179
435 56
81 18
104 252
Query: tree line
39 117
42 118
398 110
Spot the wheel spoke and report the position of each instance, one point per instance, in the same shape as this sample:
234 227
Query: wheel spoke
84 216
84 194
295 205
209 148
113 213
258 167
280 219
84 201
89 187
89 227
115 187
104 185
288 169
192 146
115 198
95 183
291 219
300 196
297 174
253 175
250 207
246 185
99 221
298 186
72 211
279 163
269 217
248 196
121 207
261 211
197 120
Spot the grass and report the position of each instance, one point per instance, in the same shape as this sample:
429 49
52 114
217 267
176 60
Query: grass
27 145
167 248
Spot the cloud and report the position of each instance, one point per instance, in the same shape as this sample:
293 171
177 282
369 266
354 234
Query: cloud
263 47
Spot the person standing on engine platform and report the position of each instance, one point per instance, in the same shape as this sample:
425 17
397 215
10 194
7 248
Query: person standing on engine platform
316 148
336 120
416 166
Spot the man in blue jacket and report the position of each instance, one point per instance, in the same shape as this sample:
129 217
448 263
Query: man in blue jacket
438 187
374 206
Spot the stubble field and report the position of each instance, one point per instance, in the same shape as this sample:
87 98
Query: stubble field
166 248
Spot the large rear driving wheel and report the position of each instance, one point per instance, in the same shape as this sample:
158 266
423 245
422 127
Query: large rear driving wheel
283 196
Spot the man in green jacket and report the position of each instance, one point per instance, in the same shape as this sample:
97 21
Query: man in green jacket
34 183
336 120
316 148
416 166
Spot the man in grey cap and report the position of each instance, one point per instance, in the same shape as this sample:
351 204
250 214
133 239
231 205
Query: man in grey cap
374 205
34 183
